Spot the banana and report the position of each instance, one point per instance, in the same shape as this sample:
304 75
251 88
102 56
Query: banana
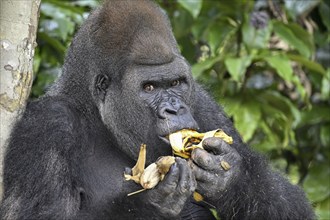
164 164
156 172
150 177
182 143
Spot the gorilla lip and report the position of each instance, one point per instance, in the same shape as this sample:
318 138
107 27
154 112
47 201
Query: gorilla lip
165 139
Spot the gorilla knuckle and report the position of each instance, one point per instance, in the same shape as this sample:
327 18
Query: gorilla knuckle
214 142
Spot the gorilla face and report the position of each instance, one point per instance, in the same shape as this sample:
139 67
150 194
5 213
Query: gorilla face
165 91
149 102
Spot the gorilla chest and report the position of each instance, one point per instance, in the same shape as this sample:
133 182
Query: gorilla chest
104 176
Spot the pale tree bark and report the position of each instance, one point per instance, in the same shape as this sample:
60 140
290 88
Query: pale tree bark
18 22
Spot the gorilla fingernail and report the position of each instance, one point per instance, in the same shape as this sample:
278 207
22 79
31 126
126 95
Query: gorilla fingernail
225 165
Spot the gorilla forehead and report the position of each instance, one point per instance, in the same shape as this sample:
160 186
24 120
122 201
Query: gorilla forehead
176 68
138 19
151 48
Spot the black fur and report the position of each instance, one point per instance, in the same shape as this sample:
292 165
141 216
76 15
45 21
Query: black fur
125 83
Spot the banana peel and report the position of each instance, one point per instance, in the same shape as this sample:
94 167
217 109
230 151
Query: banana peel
149 177
186 140
138 169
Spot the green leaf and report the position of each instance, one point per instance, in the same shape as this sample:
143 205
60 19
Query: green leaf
51 11
84 3
300 88
233 8
317 182
282 66
247 119
270 141
67 7
217 34
256 38
300 7
66 28
275 99
324 135
302 35
307 63
199 27
183 23
237 66
325 87
318 114
198 68
325 14
246 114
54 43
280 115
285 33
323 209
36 60
279 124
193 6
231 104
187 48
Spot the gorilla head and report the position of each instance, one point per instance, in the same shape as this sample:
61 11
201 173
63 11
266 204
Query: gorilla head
138 79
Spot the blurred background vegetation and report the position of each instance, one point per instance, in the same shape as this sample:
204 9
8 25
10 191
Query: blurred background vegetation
266 61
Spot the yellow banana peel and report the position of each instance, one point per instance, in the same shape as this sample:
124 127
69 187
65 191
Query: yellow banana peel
184 141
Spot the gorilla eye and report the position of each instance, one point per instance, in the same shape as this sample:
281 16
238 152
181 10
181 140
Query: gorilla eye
102 82
148 87
175 83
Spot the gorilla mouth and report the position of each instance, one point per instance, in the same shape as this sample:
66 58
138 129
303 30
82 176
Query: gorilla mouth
166 139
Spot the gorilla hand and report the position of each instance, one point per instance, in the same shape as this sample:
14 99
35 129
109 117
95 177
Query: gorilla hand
215 167
170 195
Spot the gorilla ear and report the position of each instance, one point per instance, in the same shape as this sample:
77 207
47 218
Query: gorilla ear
101 85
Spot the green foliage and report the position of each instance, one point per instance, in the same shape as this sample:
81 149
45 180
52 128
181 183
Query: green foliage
266 62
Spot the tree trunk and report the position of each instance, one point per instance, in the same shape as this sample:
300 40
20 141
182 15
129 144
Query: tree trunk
18 22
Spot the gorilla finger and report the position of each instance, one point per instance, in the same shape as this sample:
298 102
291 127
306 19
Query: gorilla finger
128 171
200 174
187 182
171 179
203 159
217 146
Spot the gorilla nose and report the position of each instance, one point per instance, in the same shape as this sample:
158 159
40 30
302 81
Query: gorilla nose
172 107
167 111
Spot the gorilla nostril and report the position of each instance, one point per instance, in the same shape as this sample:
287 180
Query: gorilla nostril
167 111
171 111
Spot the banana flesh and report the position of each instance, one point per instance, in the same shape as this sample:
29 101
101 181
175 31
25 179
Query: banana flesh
156 172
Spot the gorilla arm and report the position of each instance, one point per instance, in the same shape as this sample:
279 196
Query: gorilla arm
40 164
249 189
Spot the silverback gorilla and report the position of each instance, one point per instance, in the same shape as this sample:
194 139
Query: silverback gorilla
124 83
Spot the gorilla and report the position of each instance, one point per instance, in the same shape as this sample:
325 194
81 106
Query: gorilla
124 83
